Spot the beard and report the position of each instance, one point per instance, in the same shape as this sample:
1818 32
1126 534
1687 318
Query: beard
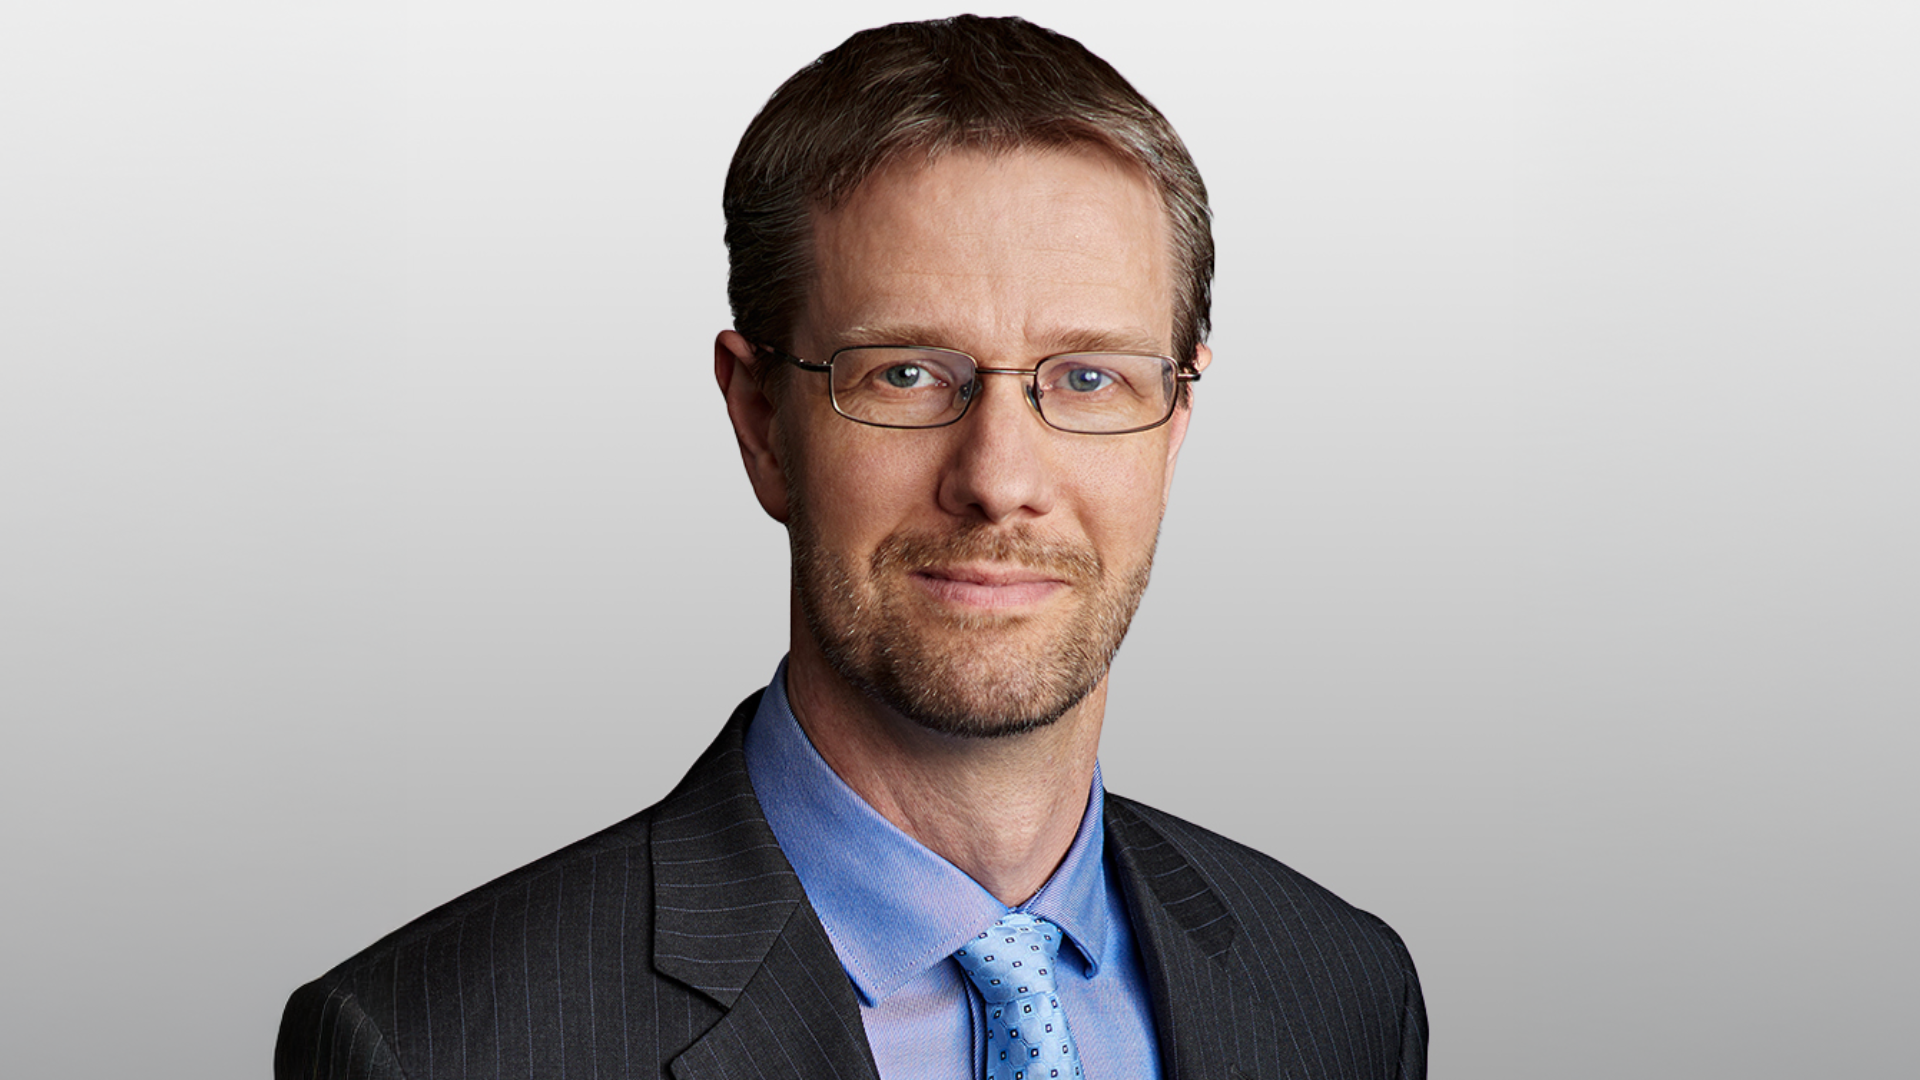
973 675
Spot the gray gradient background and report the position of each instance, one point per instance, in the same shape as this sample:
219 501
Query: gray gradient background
371 524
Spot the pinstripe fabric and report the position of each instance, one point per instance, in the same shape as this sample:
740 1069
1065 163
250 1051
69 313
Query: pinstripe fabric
679 943
1310 986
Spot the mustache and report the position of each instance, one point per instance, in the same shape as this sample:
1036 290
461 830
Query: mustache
1075 564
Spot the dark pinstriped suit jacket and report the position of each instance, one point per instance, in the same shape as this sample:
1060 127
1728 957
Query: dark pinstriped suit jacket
679 943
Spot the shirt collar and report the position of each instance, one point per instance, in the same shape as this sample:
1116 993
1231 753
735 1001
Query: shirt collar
891 907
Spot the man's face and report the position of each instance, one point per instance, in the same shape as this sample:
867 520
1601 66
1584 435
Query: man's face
977 578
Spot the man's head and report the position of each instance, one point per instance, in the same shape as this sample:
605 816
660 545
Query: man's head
920 90
988 187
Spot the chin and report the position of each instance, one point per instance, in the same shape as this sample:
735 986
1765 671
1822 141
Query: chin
960 685
971 674
965 712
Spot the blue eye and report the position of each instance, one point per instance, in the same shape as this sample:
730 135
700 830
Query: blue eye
1085 380
904 376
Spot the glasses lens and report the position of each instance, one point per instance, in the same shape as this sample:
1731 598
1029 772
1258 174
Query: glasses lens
901 386
1100 393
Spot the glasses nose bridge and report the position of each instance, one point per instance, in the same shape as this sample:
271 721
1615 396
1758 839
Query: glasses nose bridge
1031 390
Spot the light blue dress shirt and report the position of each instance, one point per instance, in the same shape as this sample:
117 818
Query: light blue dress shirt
895 912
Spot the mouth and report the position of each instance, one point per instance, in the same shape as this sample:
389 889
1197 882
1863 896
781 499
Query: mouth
988 587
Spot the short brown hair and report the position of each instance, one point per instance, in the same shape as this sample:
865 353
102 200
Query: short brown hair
924 88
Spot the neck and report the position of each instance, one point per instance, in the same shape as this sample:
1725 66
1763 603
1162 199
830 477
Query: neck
1004 810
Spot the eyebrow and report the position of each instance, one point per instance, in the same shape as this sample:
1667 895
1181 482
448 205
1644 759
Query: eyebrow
1059 341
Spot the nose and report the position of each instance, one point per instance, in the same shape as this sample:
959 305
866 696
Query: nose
997 468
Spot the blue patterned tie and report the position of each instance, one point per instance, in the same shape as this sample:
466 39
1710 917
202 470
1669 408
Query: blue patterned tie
1012 963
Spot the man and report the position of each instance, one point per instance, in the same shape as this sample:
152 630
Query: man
970 277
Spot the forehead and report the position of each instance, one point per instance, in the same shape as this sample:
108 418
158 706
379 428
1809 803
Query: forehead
1020 250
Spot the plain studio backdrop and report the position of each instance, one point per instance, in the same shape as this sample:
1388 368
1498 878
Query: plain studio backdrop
372 524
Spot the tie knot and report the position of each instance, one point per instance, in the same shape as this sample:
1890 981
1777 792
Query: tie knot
1013 958
1011 962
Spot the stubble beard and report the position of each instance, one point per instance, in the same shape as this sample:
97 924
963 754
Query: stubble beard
975 675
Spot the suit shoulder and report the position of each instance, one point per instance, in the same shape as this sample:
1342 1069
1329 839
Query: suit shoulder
537 964
1254 887
534 927
604 876
576 878
1292 939
620 849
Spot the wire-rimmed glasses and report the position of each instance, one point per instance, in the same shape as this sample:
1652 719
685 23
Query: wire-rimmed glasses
919 386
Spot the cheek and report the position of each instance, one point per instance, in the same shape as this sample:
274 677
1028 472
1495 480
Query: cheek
857 488
1123 492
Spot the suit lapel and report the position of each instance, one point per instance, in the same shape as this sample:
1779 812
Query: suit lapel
1200 1001
731 921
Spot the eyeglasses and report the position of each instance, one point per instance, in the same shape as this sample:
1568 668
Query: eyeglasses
917 386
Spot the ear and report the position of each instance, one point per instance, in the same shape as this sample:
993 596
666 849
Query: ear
735 367
1177 427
